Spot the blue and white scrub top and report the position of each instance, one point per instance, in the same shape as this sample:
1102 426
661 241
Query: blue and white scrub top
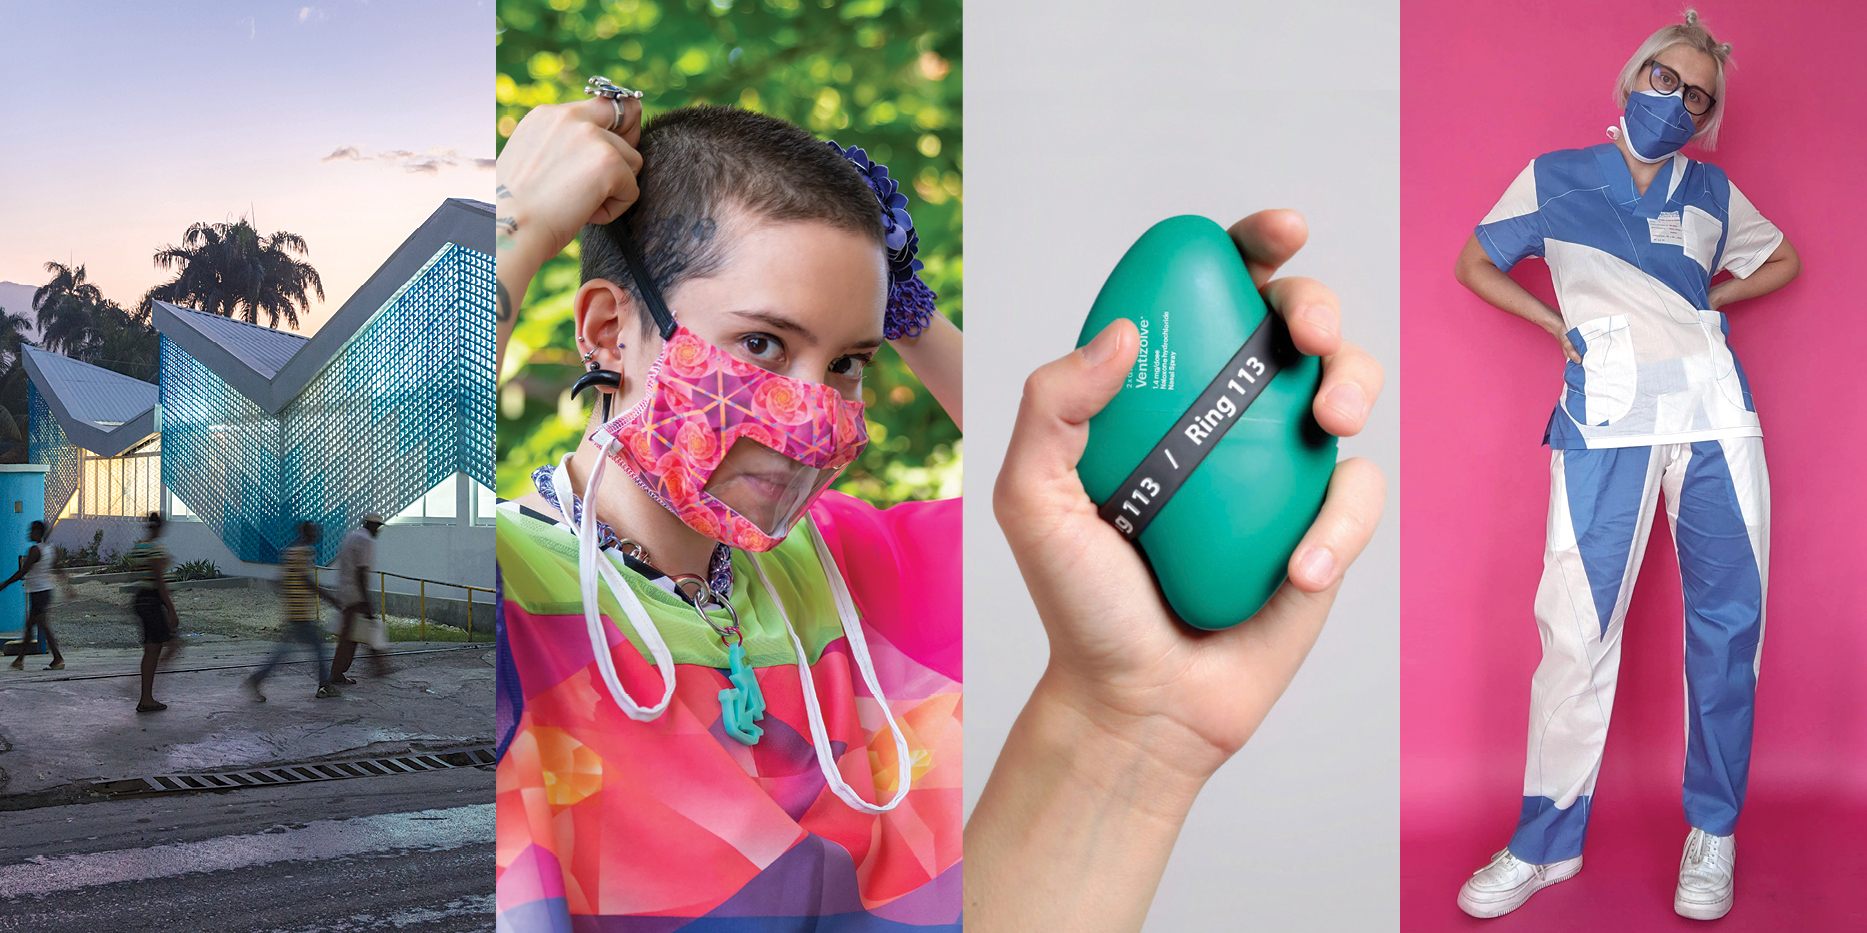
1632 274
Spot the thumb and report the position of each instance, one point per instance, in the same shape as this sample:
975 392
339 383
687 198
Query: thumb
1053 418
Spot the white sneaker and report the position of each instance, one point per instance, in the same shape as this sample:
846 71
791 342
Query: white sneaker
1707 876
1503 885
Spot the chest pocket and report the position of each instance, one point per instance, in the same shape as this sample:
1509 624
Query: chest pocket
1601 387
1702 232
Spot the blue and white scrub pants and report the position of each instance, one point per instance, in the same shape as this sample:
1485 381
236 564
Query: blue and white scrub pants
1601 505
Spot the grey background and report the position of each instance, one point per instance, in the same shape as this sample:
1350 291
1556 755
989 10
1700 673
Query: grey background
1085 124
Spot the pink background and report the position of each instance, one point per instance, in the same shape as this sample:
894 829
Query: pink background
1486 87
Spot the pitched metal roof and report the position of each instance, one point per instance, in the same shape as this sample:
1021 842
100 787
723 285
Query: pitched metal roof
260 349
101 411
260 367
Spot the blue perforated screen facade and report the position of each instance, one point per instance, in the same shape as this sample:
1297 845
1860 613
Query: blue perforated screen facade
408 402
47 443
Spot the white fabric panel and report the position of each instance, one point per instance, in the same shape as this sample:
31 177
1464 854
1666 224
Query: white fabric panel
1683 378
1751 477
1680 162
1609 367
1752 238
1702 231
1519 199
1572 692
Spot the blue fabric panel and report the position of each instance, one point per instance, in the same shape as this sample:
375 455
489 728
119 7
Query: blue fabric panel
1718 187
811 888
814 878
1511 240
1586 196
829 923
1612 171
1575 378
1723 626
510 696
1604 488
551 915
1547 834
1560 433
1653 202
832 923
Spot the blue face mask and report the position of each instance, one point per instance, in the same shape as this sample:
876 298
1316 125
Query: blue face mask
1656 125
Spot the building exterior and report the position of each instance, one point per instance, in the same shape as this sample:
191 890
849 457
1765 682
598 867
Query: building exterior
388 408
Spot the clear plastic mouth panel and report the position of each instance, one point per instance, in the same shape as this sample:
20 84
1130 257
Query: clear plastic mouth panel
767 488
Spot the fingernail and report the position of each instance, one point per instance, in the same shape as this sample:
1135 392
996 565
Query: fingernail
1317 566
1348 401
1321 318
1098 351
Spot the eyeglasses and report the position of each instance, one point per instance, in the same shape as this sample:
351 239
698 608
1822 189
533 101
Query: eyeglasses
1666 81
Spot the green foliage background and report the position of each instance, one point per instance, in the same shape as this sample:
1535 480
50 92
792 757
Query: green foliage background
880 74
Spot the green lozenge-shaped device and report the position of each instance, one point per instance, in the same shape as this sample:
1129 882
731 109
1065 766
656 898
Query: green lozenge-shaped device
1220 546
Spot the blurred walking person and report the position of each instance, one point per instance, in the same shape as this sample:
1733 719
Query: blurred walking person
36 570
356 557
300 595
155 608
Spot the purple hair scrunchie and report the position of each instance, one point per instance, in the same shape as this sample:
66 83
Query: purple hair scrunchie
910 301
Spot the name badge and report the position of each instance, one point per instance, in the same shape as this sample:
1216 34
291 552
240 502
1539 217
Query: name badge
1666 229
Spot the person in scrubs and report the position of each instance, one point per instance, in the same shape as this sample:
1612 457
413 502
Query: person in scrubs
1653 402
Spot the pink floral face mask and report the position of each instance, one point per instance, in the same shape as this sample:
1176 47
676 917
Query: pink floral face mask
736 451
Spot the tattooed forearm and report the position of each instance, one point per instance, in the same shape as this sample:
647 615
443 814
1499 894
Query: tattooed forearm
505 302
507 225
505 228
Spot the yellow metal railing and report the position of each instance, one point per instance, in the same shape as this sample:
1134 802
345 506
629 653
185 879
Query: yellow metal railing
382 595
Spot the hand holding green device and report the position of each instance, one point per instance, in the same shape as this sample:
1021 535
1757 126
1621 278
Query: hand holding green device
1208 459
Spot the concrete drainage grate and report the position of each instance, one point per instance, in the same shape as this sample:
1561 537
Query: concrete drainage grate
296 774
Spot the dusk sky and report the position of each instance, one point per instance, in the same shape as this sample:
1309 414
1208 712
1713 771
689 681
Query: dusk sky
128 121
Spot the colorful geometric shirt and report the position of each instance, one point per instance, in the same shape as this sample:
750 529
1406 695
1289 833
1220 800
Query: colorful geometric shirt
301 600
145 557
606 823
1633 275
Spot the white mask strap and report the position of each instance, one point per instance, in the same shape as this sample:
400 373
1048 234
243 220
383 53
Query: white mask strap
859 649
592 563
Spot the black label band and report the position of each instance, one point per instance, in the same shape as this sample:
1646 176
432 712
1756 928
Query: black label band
1165 468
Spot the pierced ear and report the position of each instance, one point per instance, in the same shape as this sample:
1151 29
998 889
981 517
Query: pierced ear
603 316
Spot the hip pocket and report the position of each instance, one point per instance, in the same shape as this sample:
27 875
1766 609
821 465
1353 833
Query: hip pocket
1600 389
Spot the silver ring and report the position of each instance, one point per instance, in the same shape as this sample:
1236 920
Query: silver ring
704 594
603 87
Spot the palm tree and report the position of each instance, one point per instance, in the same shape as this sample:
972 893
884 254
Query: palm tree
77 320
63 307
231 269
12 387
123 344
13 329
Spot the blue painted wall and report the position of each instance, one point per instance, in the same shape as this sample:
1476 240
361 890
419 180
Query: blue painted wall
22 502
